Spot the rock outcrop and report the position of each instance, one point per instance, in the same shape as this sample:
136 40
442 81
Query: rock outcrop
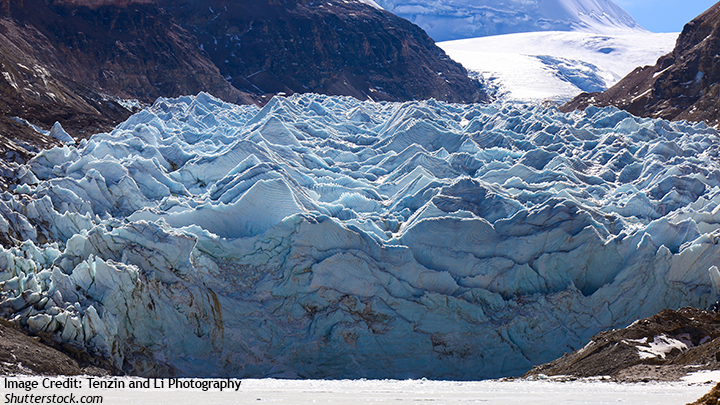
683 85
711 398
665 346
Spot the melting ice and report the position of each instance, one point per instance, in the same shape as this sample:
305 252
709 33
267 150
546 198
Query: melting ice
324 237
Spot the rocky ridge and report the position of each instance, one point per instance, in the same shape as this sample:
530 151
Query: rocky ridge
711 398
663 347
683 85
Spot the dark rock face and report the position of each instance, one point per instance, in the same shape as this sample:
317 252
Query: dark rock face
21 354
335 48
683 85
60 63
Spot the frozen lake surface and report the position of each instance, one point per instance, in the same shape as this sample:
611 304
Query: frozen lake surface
394 392
451 392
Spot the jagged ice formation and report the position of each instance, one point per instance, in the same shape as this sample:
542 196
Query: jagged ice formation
328 237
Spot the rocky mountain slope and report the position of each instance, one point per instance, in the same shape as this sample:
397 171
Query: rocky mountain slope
683 85
71 64
333 48
711 398
61 60
21 354
665 346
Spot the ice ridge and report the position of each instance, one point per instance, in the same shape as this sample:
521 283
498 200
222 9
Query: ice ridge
325 237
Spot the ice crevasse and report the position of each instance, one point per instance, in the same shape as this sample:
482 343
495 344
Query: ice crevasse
325 237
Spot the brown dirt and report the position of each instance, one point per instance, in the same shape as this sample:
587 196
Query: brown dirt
21 354
711 398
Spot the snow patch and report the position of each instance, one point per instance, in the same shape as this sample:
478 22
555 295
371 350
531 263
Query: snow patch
703 376
371 3
660 346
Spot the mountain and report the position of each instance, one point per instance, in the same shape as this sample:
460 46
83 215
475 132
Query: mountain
72 64
458 19
334 48
682 85
74 61
327 237
537 51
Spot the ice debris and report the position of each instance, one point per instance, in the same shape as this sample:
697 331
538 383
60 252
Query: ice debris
58 132
327 237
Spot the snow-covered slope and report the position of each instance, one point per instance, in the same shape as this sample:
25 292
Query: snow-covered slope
457 19
538 66
327 237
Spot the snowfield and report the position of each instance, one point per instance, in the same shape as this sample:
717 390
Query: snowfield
324 237
341 392
557 66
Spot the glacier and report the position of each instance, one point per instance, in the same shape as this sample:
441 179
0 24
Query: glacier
557 65
326 237
458 19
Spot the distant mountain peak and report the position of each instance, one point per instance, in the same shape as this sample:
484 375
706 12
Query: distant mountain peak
457 19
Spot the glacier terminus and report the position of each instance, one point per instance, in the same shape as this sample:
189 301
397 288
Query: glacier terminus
325 237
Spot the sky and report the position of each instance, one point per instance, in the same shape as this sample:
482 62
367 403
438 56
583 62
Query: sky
664 15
